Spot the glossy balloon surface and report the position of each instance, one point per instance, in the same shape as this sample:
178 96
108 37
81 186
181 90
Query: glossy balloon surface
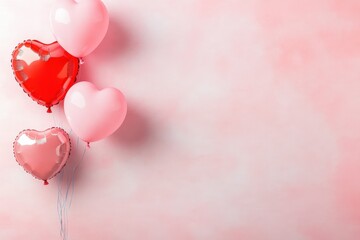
79 26
44 71
42 153
94 114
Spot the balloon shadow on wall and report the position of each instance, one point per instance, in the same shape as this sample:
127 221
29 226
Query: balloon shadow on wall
134 133
117 42
135 130
73 168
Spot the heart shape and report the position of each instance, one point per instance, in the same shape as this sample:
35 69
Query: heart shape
94 114
42 153
44 71
79 25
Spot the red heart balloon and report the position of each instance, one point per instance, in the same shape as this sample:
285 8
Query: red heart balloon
44 71
42 154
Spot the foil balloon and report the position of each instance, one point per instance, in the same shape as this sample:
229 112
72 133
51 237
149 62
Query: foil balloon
94 114
44 71
42 153
79 25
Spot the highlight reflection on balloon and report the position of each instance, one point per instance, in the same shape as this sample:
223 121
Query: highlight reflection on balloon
94 114
44 71
79 26
42 153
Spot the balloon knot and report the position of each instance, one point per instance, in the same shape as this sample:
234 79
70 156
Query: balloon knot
88 144
49 110
46 182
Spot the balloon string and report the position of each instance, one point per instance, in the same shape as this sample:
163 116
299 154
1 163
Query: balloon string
60 203
57 121
54 120
71 184
59 197
65 200
74 174
60 119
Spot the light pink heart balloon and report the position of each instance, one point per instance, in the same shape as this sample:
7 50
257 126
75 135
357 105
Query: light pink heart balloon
94 114
79 25
42 154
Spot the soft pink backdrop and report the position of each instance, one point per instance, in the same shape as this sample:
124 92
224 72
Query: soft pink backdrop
243 123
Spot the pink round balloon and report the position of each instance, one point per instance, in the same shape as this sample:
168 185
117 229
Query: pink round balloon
79 25
42 153
94 114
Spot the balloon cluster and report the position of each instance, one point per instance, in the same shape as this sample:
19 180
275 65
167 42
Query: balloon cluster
47 73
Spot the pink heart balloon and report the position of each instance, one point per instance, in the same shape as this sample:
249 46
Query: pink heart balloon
94 114
79 25
42 154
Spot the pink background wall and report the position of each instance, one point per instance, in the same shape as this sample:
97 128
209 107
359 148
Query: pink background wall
243 123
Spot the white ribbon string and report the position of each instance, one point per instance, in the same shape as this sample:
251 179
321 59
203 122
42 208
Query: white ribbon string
66 181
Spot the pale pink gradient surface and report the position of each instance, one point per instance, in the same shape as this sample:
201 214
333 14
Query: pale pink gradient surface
243 123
